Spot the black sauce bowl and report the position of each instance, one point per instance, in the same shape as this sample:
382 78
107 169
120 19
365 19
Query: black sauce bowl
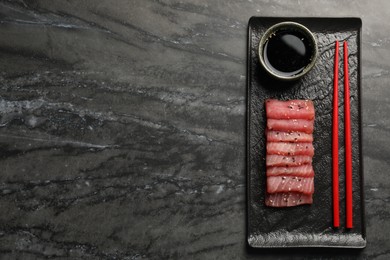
293 28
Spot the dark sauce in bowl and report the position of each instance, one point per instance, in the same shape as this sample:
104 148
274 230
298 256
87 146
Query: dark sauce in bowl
287 52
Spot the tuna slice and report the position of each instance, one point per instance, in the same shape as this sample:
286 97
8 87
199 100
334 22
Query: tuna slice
291 125
286 161
287 199
279 136
290 148
296 109
290 183
299 171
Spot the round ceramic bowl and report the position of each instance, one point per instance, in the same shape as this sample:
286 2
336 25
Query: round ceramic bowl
292 27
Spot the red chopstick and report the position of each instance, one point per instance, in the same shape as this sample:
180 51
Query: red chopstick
348 144
335 139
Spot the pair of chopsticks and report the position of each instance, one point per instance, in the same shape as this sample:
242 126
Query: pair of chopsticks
335 142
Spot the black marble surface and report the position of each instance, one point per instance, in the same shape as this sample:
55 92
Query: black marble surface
122 128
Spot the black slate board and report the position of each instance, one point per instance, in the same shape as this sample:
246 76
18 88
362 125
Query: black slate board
306 225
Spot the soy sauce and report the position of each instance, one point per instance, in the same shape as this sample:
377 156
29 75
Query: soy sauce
287 52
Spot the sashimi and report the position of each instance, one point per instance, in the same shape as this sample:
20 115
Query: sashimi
287 199
296 109
290 183
291 125
289 152
290 148
284 160
299 171
279 136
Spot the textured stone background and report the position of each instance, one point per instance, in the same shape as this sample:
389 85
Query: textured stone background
122 127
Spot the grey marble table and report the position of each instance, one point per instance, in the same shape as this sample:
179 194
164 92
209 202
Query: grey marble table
122 127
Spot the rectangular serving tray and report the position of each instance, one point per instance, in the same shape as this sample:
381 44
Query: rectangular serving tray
306 225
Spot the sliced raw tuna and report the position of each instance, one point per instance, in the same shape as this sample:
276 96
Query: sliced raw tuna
291 125
286 161
287 199
299 171
296 109
290 148
289 170
279 136
290 183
